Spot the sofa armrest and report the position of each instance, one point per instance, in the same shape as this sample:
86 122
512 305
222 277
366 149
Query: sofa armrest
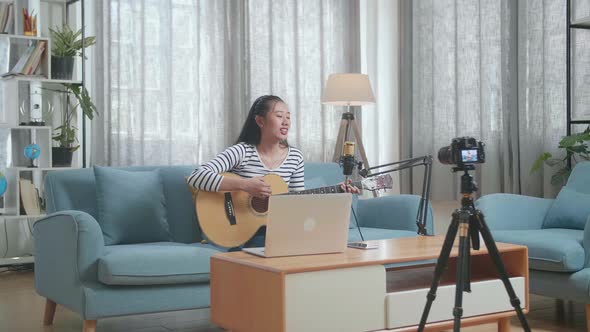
513 212
67 247
397 212
586 242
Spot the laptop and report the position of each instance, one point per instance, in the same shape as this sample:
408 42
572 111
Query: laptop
306 225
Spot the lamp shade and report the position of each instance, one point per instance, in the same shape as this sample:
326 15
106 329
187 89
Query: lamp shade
348 89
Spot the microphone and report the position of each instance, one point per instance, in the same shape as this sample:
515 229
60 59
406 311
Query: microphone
347 159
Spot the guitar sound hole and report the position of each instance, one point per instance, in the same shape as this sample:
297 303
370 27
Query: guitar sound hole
260 205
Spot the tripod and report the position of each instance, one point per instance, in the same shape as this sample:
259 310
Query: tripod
470 223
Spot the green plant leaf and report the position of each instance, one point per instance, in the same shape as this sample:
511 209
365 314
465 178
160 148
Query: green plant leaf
582 148
568 141
65 134
539 162
67 43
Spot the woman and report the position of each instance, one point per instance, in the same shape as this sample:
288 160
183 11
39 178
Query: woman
261 149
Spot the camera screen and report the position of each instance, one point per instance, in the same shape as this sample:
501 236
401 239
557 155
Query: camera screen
469 156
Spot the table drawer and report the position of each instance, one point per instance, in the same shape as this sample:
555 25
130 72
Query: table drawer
404 308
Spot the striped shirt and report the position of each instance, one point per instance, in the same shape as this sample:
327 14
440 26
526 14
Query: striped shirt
243 159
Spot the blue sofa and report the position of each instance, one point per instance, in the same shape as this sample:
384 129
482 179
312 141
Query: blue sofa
76 269
556 232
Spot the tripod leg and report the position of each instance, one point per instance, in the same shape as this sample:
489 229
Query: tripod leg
359 142
497 260
462 269
340 140
441 264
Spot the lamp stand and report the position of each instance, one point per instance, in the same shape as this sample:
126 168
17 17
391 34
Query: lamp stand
346 123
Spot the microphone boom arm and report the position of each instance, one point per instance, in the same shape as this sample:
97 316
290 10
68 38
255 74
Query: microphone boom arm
425 161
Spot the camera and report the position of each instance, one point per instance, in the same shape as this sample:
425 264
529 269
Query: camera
462 152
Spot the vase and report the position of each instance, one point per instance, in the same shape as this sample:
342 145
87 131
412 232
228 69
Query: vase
61 157
62 68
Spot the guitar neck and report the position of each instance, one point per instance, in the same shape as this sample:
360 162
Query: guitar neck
325 190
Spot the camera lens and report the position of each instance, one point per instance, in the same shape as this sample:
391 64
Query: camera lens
445 155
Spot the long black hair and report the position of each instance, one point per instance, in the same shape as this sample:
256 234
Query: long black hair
251 131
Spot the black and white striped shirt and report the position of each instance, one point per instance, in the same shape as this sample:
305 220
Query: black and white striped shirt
243 159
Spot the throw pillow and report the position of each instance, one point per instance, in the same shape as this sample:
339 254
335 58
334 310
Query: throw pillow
569 210
131 206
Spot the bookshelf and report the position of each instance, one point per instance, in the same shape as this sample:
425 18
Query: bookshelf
31 102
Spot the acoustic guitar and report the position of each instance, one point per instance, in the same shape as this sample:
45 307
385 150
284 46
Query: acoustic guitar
230 218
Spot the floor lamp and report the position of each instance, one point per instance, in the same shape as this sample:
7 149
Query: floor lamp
349 89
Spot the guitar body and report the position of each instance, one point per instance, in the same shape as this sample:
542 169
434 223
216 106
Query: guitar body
231 218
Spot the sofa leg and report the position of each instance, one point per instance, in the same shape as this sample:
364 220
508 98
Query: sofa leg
89 326
504 324
49 312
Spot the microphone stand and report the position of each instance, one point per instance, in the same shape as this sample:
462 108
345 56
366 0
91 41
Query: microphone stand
425 161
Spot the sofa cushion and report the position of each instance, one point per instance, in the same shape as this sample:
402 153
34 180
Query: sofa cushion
551 249
155 264
131 206
569 210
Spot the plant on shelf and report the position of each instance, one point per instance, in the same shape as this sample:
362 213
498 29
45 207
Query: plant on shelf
67 44
575 146
65 134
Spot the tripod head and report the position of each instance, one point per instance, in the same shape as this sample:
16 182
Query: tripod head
468 185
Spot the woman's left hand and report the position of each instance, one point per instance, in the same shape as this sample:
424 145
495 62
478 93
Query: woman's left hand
350 188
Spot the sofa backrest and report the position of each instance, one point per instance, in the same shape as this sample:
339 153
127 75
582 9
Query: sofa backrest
75 189
579 180
325 173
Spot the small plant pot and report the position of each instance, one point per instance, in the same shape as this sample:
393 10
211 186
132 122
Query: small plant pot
61 157
62 68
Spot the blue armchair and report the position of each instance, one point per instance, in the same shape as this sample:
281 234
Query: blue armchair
556 232
78 267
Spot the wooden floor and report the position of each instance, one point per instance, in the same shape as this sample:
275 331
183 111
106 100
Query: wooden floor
21 309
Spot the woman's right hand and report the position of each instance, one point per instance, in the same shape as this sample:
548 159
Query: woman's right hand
257 187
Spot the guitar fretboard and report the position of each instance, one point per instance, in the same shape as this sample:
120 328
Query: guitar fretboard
324 190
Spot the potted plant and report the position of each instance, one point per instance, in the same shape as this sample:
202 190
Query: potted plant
575 146
65 134
66 45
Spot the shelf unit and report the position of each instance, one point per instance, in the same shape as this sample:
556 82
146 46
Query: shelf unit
17 94
580 24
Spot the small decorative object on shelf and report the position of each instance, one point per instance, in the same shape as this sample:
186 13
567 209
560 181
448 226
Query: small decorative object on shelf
66 45
30 61
32 152
40 110
29 23
6 13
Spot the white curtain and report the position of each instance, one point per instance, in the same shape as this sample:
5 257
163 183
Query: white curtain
380 56
494 70
178 77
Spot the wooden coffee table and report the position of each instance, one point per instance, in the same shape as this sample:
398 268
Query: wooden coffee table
361 290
